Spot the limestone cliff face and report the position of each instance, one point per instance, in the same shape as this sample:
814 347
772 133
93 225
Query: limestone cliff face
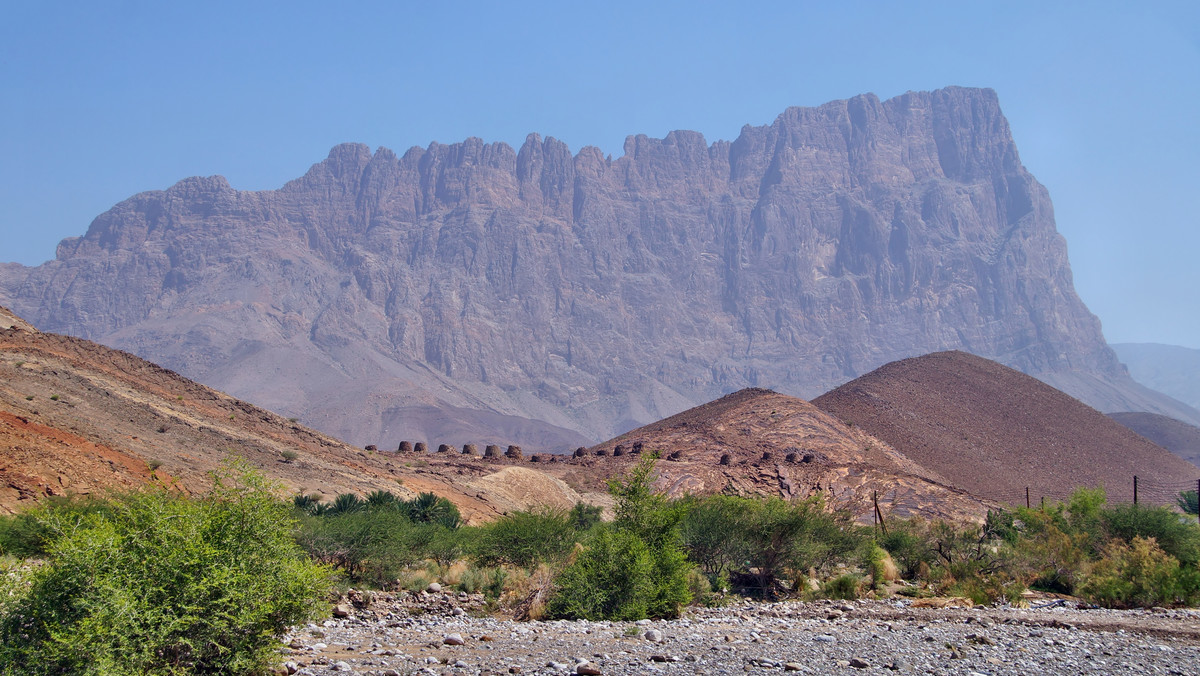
470 291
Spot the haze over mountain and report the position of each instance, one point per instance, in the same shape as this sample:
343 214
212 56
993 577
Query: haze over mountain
1177 437
473 293
1170 369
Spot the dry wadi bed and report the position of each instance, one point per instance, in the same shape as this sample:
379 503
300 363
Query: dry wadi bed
444 634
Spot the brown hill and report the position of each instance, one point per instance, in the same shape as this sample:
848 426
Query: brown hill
77 417
1177 437
757 441
994 431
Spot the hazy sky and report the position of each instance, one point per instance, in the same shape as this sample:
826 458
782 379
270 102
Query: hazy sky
99 101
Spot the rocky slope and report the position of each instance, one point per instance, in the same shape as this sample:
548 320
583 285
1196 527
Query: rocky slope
473 292
756 442
77 417
1177 437
994 432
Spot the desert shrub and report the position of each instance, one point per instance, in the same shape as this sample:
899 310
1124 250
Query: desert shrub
1084 513
525 539
880 565
584 517
1136 574
487 581
783 537
908 544
369 547
443 545
649 516
162 584
699 587
1177 537
611 579
1050 559
963 550
985 589
634 567
847 587
30 533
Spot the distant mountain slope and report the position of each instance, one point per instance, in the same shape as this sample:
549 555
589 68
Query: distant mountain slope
1170 369
761 442
77 417
473 292
1177 437
994 431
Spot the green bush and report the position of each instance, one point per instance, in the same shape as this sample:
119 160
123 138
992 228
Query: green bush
487 581
29 534
649 516
633 568
584 517
164 585
713 535
369 547
785 538
1176 536
611 579
1189 502
1137 574
526 539
908 543
846 587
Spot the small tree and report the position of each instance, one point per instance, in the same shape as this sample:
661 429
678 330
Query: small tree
645 522
1188 502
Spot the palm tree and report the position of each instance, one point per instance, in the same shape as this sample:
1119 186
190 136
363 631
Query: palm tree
310 504
346 503
429 508
381 499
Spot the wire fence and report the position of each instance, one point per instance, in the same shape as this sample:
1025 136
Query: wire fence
1139 490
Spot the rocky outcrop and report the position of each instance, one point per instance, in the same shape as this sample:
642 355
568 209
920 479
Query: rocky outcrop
473 292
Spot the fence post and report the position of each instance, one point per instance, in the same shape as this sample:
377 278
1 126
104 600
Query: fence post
1135 489
878 512
1027 497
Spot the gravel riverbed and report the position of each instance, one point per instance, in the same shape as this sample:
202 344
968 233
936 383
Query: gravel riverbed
440 634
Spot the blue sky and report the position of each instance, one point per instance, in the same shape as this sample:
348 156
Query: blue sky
104 100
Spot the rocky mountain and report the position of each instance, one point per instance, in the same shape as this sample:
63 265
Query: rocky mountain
1170 369
995 432
477 293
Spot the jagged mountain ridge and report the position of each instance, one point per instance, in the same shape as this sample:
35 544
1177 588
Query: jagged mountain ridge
471 292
